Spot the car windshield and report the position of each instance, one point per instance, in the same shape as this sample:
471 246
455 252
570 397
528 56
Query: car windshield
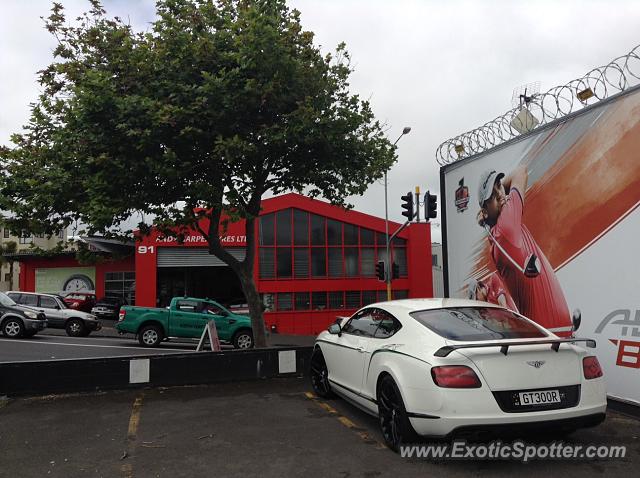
6 300
61 302
477 324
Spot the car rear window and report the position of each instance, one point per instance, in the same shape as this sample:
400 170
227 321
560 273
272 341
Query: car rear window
477 324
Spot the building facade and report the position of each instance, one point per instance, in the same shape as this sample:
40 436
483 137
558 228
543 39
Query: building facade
10 270
314 262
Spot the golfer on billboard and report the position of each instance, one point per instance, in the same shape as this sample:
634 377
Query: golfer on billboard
490 289
522 266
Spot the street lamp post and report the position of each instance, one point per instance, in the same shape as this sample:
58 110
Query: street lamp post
405 130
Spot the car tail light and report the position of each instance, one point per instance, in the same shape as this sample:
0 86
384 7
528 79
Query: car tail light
121 315
455 376
591 368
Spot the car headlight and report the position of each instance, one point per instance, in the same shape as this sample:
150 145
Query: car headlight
30 314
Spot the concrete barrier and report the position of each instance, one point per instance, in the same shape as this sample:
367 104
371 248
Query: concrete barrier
84 375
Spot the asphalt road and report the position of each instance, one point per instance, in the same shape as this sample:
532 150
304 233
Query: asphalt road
262 429
55 347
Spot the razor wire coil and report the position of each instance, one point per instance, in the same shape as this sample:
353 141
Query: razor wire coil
620 74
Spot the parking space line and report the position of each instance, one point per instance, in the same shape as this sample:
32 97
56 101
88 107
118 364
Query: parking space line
361 432
132 436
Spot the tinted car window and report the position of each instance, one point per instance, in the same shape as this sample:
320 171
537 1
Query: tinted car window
48 302
363 324
387 324
28 299
212 309
477 323
188 305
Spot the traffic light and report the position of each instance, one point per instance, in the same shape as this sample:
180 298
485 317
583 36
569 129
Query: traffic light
430 206
407 205
395 271
380 270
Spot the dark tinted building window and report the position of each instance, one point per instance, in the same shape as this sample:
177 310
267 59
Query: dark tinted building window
301 263
336 300
285 301
283 227
400 258
267 223
350 235
335 262
368 297
317 230
318 262
284 262
300 227
302 301
267 263
319 300
367 262
367 237
352 299
351 261
334 232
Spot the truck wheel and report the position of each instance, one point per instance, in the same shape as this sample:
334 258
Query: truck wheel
150 336
13 328
75 328
243 339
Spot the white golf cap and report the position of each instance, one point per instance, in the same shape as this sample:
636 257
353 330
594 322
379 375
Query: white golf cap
485 187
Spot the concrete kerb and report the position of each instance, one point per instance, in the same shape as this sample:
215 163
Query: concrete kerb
89 375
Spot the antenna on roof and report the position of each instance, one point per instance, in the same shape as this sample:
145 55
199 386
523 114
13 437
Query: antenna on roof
523 95
524 121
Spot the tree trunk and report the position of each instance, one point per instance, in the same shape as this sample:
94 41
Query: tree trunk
255 309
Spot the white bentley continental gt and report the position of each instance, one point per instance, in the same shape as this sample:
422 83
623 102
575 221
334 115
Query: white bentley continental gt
449 367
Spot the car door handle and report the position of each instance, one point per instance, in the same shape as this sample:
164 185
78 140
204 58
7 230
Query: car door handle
360 349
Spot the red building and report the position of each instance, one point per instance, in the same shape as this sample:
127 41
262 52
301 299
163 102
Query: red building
314 261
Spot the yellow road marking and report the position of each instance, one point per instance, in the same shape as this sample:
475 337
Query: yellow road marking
132 435
346 422
134 420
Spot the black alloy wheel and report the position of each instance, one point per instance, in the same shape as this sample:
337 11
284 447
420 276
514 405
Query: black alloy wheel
75 328
394 422
320 375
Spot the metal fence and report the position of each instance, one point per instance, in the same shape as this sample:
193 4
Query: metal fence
596 85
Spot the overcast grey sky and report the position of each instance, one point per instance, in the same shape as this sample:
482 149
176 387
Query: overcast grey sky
441 67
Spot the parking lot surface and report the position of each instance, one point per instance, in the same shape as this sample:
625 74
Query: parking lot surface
266 428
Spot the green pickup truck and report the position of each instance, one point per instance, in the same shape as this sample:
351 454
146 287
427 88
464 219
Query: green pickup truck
186 317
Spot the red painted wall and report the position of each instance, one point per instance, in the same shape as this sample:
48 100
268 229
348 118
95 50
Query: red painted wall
418 283
27 279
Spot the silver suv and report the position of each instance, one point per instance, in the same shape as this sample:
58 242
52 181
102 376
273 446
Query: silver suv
59 316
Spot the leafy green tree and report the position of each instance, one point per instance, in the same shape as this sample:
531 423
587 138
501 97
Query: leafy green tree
9 247
192 121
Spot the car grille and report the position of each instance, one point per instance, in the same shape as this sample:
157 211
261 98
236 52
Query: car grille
569 397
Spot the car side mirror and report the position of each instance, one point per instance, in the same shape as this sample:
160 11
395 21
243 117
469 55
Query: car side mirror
334 329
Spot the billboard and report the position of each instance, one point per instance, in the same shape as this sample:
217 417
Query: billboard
548 225
65 279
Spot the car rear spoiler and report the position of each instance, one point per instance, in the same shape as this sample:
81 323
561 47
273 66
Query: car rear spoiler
504 347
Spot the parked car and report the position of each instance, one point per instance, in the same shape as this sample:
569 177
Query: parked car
59 316
442 367
18 321
108 307
84 301
186 317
